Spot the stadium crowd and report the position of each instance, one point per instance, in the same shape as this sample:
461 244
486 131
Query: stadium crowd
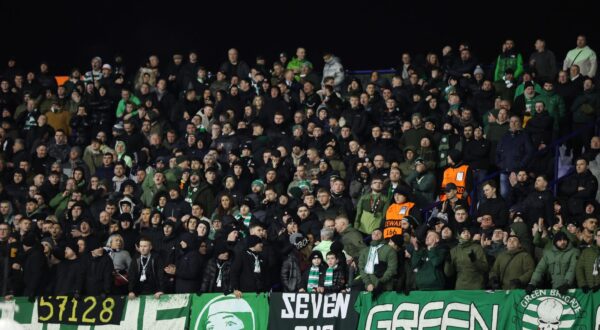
170 178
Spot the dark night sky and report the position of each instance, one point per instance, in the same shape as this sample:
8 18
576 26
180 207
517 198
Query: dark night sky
365 34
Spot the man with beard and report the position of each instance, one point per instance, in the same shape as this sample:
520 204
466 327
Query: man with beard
509 58
558 263
370 208
513 267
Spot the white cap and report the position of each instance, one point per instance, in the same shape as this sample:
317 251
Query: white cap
107 66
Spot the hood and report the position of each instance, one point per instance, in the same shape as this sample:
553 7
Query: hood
119 142
126 199
332 60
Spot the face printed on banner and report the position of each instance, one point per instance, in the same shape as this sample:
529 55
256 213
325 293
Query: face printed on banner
226 313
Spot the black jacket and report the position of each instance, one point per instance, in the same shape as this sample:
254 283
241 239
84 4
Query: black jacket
577 198
497 208
291 275
154 275
538 204
34 267
243 277
98 274
476 153
69 277
189 272
211 273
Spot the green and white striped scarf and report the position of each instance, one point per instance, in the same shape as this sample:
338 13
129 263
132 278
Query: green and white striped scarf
313 278
329 276
246 219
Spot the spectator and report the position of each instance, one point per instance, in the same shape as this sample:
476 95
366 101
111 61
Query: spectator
428 263
586 271
468 262
582 56
578 188
378 264
512 268
98 268
423 184
313 277
146 272
69 272
248 269
493 205
458 174
371 207
350 237
514 151
333 68
509 59
558 264
543 62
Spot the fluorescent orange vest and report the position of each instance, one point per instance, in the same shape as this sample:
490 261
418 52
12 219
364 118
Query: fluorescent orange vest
393 218
458 176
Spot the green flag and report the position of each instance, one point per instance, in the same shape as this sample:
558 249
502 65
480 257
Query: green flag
220 312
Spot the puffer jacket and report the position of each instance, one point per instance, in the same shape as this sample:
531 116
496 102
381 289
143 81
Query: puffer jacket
334 68
584 269
291 274
211 272
559 265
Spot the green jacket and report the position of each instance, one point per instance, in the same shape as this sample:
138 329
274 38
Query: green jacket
555 105
121 106
367 218
511 265
296 64
385 254
352 241
59 203
585 267
521 88
559 265
504 61
469 274
428 266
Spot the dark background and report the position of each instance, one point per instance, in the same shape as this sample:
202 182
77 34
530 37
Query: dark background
365 34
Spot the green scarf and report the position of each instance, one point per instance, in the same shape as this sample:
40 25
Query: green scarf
329 276
313 279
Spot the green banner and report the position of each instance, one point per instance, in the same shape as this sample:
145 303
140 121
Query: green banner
422 310
215 311
170 312
543 309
